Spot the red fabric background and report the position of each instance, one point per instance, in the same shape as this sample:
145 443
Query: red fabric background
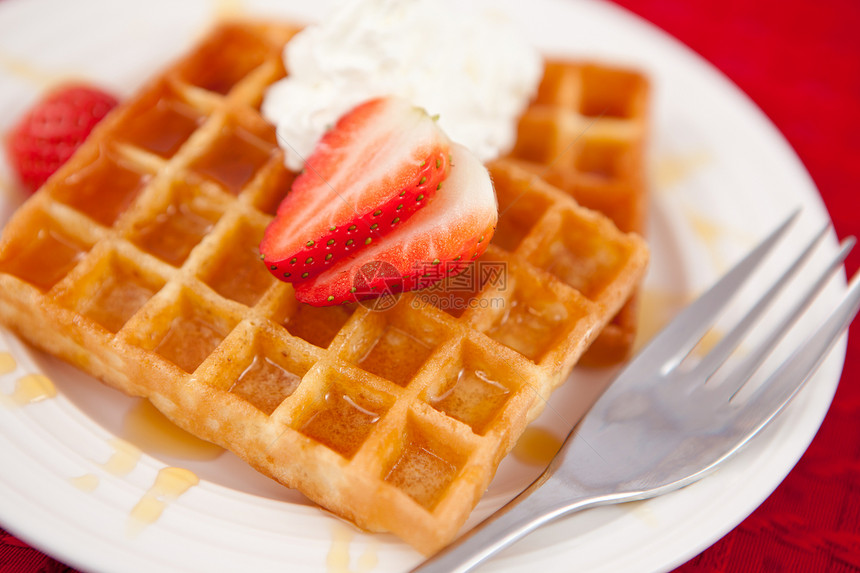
799 60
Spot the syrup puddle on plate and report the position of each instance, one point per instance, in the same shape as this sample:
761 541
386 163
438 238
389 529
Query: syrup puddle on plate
124 458
642 511
228 9
29 389
338 559
86 482
672 170
536 447
170 483
7 363
147 428
657 308
41 78
122 461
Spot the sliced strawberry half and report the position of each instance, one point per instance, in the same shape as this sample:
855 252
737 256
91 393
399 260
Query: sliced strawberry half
377 166
455 227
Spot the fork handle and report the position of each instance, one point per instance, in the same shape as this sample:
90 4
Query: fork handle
538 504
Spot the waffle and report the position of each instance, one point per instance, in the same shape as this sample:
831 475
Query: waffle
138 263
586 133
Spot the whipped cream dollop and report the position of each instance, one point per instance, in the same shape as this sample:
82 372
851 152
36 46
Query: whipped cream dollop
473 68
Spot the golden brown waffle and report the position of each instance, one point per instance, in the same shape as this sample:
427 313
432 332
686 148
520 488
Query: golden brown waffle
586 133
138 263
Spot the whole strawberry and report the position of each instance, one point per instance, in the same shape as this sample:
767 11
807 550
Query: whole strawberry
53 129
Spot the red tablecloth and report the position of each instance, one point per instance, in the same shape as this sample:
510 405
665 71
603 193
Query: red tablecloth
799 60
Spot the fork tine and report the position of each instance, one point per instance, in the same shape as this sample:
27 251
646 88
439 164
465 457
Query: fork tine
694 321
744 371
787 380
710 363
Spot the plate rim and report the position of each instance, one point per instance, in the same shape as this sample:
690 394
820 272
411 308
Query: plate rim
765 127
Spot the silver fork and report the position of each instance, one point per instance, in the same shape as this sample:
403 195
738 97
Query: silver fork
659 427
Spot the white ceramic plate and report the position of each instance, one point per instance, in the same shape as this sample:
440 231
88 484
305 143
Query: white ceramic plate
722 177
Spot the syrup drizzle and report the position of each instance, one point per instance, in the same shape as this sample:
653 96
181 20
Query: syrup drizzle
675 169
170 483
642 510
7 363
338 559
124 459
86 482
41 78
658 308
227 9
147 428
536 447
31 388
